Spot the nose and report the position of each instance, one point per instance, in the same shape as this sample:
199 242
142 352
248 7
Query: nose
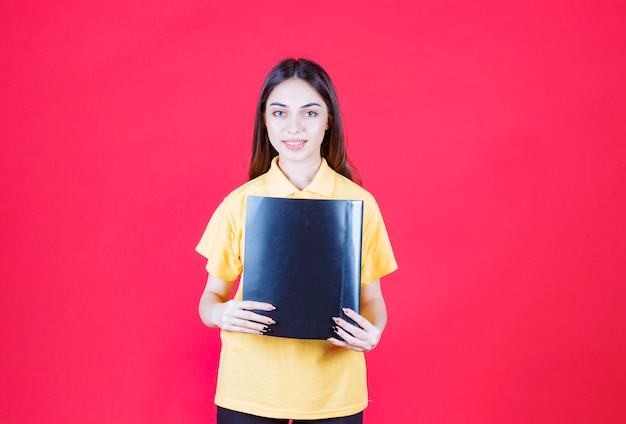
295 124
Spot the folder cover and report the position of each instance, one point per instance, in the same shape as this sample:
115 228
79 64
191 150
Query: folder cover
304 257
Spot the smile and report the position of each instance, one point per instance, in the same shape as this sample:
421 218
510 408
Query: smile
294 144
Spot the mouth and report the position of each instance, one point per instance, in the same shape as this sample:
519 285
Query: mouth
294 144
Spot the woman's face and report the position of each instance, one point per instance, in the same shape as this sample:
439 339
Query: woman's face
296 117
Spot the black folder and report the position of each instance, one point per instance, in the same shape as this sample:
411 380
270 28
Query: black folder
304 257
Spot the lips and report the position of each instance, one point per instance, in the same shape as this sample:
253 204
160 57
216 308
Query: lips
294 144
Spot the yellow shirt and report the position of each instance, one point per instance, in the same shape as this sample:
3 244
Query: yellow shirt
279 377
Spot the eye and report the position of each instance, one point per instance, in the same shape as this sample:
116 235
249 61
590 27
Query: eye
278 113
310 113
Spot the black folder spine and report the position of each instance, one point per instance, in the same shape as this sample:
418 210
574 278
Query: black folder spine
351 294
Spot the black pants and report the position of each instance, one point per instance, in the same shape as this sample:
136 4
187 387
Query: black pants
226 416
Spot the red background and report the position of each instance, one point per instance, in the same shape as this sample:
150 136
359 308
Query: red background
492 133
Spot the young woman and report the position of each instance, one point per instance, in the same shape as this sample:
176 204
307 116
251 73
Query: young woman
298 152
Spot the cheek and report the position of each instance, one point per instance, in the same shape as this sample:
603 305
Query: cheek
273 133
271 129
273 123
321 129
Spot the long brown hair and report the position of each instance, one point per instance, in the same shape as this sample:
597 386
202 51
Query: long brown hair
333 147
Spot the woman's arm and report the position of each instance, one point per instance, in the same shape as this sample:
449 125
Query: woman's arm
371 322
231 315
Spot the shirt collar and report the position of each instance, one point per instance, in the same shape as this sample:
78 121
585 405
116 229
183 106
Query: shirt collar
278 185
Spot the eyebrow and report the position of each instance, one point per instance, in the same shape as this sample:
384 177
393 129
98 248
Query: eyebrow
301 107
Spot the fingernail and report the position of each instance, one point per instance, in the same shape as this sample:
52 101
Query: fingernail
335 329
335 319
345 310
266 330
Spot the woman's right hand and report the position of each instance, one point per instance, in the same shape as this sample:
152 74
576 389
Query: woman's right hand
238 316
232 315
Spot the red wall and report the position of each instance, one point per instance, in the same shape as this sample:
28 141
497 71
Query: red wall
492 133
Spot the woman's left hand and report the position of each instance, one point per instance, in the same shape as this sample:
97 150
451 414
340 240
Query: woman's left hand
363 338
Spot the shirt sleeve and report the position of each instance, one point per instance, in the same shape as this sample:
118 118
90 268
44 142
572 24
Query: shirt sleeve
220 244
377 255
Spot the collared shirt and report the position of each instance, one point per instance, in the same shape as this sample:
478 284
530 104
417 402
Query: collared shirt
279 377
322 185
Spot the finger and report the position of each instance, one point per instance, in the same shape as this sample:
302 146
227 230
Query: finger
254 317
350 328
337 342
252 304
237 309
243 326
343 344
349 338
359 339
243 315
246 330
359 319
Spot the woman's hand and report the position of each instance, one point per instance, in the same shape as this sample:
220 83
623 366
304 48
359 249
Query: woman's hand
237 316
363 338
231 315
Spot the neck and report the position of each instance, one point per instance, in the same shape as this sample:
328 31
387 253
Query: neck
300 173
